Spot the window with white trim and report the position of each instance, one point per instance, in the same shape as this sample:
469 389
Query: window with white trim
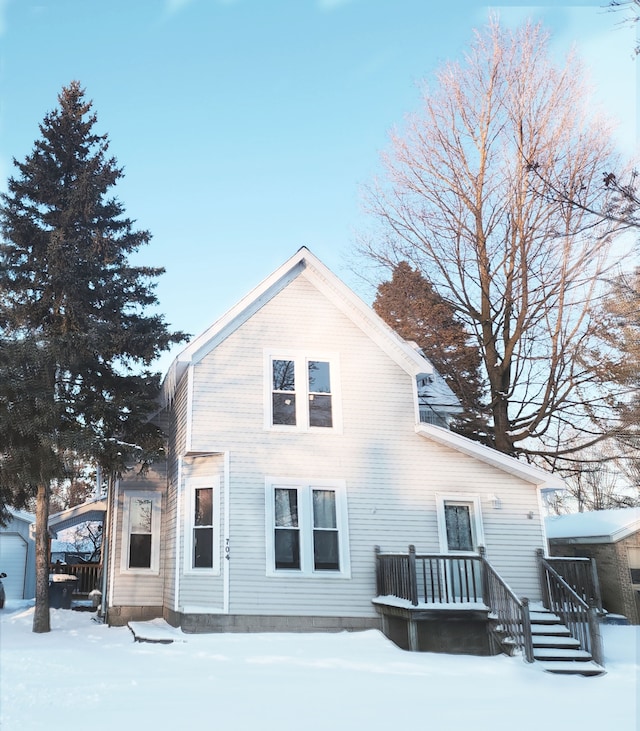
202 529
141 532
459 523
306 527
302 391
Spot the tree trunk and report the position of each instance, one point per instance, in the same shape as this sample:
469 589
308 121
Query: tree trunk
503 441
41 619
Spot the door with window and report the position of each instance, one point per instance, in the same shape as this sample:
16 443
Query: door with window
460 527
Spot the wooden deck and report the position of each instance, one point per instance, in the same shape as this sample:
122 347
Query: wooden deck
459 603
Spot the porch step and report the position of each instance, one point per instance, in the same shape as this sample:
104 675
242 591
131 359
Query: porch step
544 616
556 650
589 668
561 653
558 630
555 641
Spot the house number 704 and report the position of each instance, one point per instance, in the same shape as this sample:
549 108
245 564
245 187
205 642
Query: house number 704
226 548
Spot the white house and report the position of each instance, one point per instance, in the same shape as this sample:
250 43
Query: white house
295 448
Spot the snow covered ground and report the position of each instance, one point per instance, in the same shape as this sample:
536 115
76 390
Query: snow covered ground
84 675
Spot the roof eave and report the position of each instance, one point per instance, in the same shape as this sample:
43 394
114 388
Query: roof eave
526 472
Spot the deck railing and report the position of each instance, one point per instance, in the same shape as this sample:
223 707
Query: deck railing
582 577
511 614
580 618
429 578
89 575
434 579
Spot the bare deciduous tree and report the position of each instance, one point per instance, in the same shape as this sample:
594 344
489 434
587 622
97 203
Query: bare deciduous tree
468 199
599 480
631 9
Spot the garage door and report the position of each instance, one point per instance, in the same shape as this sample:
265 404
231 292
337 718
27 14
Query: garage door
13 561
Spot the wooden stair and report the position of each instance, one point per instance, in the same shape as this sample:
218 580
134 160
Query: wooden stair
556 650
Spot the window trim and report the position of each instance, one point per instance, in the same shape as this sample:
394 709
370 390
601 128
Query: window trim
477 529
305 487
301 360
156 504
191 485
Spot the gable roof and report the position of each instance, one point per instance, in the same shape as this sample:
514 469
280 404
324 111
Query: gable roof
598 526
21 515
90 510
302 263
524 471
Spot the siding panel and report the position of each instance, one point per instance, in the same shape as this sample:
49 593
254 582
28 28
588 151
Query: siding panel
392 474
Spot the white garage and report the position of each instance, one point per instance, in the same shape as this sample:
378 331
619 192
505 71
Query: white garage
17 556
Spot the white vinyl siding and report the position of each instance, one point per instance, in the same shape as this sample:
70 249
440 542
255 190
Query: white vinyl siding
201 589
138 587
392 473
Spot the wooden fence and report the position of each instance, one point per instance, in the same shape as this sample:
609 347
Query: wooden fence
89 575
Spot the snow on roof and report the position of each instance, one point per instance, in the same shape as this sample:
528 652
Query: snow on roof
599 526
434 391
22 515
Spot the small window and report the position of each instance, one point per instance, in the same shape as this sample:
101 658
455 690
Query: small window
633 560
287 529
306 527
202 525
302 392
326 548
319 394
284 392
141 532
203 528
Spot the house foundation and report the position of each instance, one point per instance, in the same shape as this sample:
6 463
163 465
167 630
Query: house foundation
202 623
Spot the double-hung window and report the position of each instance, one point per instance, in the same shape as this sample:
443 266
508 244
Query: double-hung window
202 529
141 532
306 527
302 392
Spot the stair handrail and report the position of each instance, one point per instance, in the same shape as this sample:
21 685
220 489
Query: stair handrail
580 618
581 574
511 612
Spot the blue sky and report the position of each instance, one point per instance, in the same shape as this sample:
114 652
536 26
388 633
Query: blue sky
247 127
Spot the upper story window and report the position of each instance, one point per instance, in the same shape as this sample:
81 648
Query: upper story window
302 392
141 532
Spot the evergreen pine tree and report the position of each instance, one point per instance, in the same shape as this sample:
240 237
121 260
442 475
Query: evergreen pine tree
409 304
77 342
